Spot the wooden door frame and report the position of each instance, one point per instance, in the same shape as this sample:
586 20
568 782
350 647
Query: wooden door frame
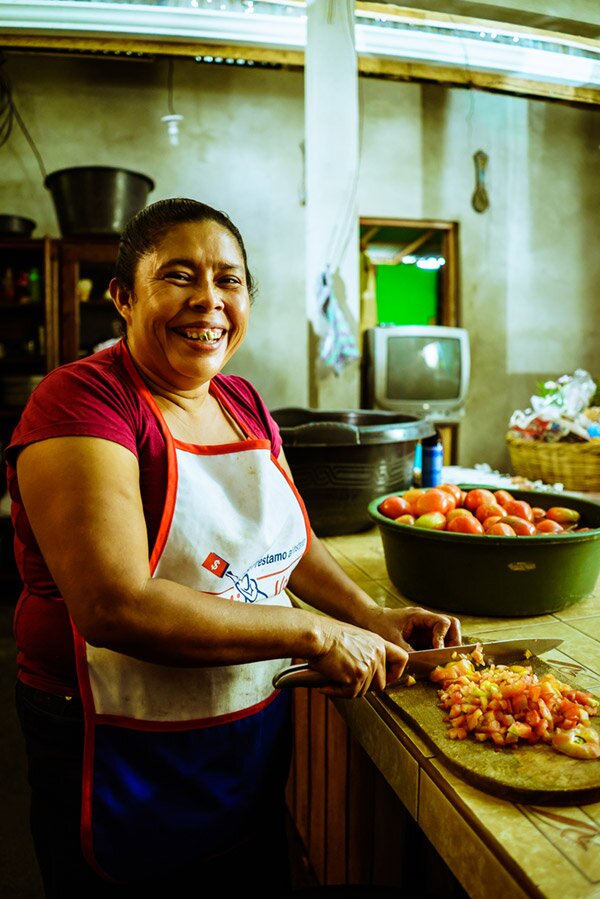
449 311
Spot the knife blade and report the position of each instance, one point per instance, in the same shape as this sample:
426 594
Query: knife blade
422 662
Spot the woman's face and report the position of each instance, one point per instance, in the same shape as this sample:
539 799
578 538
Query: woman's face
190 305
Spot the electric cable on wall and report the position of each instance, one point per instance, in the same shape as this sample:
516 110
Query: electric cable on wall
9 114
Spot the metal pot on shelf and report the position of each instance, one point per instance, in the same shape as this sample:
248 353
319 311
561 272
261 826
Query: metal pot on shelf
97 200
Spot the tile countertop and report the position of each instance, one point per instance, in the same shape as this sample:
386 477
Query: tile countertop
496 848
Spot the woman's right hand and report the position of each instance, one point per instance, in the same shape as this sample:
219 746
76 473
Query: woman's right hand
356 660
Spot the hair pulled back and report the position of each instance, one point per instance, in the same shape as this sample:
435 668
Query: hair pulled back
144 232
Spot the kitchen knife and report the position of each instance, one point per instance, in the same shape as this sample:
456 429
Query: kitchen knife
422 662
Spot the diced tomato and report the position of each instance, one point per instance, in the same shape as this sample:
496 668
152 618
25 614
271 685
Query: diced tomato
510 704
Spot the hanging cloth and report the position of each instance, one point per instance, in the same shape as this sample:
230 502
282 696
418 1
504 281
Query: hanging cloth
338 346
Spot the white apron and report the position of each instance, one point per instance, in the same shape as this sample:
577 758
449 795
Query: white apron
181 758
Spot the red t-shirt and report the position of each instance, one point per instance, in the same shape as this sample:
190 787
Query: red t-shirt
94 397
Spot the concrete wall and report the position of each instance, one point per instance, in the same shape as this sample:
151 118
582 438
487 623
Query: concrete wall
529 267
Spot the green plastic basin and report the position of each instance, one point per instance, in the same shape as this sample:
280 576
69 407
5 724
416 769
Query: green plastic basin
494 576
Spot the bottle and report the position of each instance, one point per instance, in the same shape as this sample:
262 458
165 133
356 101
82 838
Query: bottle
35 285
8 286
432 461
22 291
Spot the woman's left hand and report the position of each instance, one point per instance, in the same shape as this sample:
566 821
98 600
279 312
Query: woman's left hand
414 628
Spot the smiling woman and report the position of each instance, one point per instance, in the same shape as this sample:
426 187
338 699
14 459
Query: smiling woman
155 613
190 303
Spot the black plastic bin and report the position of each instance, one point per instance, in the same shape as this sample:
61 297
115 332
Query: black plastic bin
341 460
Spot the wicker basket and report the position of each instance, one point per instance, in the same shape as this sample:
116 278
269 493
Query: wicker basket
575 465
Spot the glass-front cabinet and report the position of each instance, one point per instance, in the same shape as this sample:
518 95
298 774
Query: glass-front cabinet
54 308
28 350
87 314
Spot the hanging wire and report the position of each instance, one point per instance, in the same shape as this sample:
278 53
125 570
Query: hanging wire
6 110
10 114
170 105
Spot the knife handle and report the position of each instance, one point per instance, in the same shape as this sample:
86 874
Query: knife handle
301 675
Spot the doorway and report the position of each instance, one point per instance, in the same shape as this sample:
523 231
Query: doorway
409 276
408 272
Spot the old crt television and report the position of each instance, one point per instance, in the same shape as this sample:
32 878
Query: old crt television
420 370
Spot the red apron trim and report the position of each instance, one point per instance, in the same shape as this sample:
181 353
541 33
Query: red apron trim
222 449
88 754
195 724
169 507
300 501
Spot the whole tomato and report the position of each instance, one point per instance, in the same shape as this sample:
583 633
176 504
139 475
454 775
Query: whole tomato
503 496
405 519
520 526
500 529
477 497
486 510
411 494
465 524
433 500
454 490
491 521
454 513
393 507
435 521
547 526
519 508
563 515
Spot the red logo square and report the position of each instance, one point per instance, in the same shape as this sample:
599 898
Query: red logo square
215 564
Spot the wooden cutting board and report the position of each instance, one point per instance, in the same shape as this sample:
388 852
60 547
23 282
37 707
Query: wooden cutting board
520 773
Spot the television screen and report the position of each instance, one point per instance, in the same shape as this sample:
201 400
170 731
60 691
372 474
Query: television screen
423 368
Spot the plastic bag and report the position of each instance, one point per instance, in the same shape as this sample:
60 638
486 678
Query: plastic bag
557 412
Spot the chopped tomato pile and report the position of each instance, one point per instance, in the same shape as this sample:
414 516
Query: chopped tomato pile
509 704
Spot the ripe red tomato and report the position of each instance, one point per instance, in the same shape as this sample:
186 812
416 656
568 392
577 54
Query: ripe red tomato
393 507
477 497
520 526
519 508
547 526
454 490
503 497
453 513
465 524
435 521
500 529
491 521
486 510
538 513
433 500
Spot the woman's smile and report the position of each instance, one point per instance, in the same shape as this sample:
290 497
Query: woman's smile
207 337
202 335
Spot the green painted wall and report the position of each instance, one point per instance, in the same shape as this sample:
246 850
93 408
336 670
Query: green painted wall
406 295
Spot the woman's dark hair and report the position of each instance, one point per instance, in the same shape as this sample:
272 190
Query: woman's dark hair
145 230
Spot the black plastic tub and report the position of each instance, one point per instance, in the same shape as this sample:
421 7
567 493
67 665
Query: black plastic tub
495 577
97 200
340 460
